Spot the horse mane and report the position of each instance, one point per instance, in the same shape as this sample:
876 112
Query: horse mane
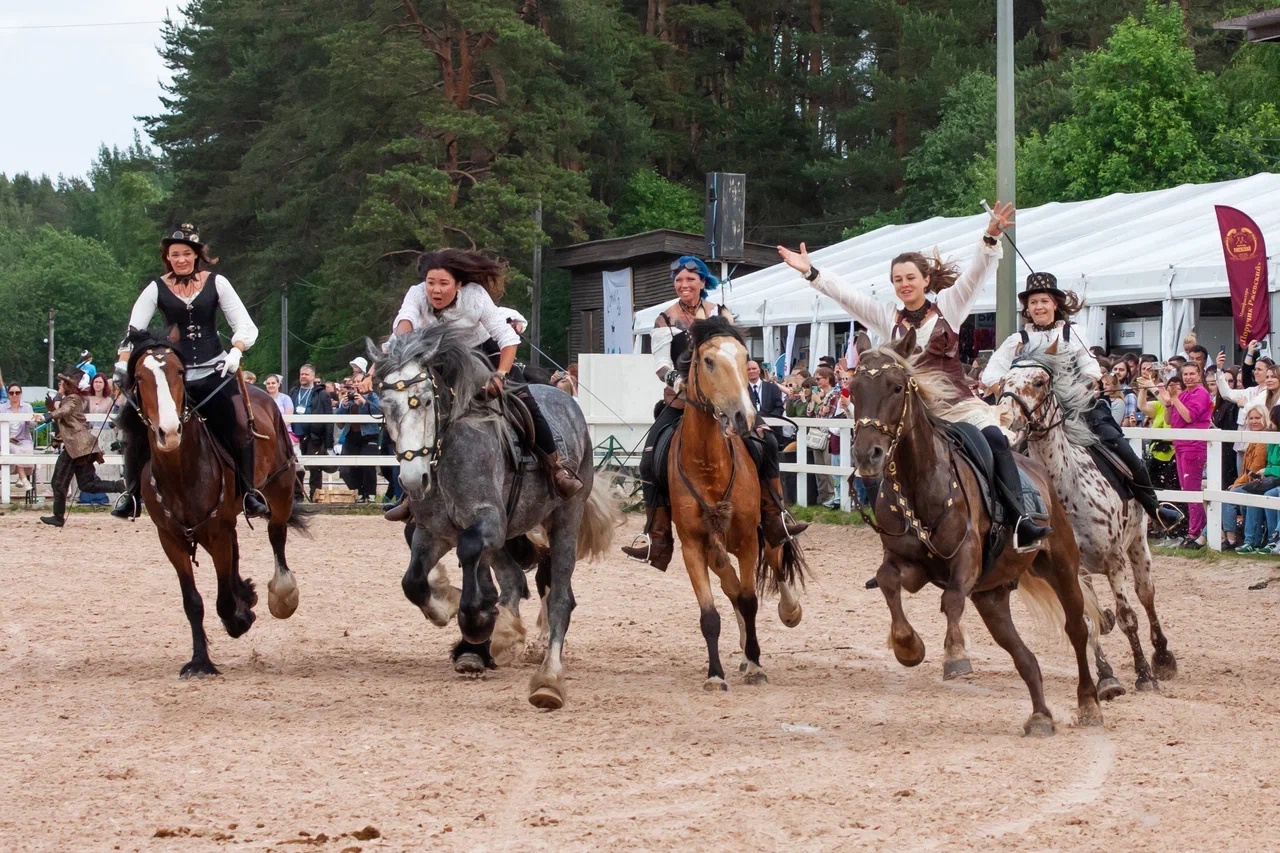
141 340
1069 384
713 327
443 348
933 386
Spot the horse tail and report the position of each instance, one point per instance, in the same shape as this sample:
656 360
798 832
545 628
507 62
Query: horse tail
300 517
600 518
1046 610
792 568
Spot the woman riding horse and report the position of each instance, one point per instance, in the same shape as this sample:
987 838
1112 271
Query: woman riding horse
459 288
935 323
190 296
693 281
1048 312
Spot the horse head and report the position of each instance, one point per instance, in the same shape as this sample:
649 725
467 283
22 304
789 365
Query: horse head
717 382
881 393
156 372
1044 389
426 380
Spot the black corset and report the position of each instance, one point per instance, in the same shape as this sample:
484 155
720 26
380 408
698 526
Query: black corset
197 322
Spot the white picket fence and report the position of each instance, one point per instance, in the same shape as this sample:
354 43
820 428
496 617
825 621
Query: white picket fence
1214 493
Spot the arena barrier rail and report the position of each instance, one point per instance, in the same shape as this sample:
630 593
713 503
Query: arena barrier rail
1214 494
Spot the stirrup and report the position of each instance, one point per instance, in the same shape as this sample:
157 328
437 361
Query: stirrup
1028 548
787 519
244 507
134 509
641 539
1182 516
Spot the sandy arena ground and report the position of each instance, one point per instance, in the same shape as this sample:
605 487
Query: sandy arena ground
347 716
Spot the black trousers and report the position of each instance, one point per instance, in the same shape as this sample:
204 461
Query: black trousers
312 445
86 475
360 478
542 436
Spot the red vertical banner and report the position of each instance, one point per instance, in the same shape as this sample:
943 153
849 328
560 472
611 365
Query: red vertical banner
1246 256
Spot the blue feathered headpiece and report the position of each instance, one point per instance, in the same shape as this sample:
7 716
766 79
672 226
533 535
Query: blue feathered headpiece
693 264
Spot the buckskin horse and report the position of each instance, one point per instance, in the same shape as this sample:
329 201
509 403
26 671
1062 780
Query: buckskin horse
1047 397
708 457
464 474
933 526
189 489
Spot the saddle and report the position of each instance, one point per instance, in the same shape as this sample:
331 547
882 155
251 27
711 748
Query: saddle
968 442
519 434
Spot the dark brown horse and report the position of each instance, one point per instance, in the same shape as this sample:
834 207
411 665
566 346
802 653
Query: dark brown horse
189 488
715 500
933 526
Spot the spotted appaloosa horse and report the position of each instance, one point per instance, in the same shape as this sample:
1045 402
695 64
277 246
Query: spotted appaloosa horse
189 489
1046 396
933 527
715 499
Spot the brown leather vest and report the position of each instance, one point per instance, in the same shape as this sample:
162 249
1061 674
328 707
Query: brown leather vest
940 354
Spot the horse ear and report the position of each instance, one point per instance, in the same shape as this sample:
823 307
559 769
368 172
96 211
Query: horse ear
861 343
1053 349
173 334
906 345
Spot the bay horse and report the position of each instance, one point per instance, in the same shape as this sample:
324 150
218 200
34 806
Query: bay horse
709 458
463 473
933 527
1046 396
189 489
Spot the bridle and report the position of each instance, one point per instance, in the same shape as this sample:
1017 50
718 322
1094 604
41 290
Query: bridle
1036 426
702 402
431 453
161 353
898 503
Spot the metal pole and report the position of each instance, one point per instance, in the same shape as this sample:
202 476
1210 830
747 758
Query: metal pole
53 312
284 338
1006 189
535 319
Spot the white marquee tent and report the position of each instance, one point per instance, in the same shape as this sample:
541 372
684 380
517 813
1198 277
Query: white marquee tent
1123 249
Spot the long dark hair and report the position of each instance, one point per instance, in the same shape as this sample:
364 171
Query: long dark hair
466 267
1067 307
940 274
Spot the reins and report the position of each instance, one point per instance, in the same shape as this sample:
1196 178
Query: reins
1036 427
704 405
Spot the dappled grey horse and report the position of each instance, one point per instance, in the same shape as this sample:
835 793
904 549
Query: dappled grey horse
462 470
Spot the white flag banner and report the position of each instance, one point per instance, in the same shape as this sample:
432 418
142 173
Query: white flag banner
618 315
790 348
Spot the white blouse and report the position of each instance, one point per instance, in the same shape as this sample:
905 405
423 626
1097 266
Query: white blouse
954 303
1002 359
473 311
243 329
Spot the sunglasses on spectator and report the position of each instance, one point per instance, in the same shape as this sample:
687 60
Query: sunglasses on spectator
692 266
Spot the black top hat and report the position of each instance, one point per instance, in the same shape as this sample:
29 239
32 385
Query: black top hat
1041 282
184 233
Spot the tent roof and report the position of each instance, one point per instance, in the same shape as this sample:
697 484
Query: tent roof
1118 250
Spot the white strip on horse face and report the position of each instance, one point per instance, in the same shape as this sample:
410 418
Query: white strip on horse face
729 350
167 416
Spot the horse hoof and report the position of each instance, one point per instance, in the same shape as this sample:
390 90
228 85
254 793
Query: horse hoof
755 677
1039 725
546 698
910 653
1089 715
714 683
470 665
742 667
1148 685
198 669
239 625
1165 665
792 618
1110 688
956 668
282 595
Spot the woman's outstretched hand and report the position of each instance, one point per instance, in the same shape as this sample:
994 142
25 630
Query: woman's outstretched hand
798 261
1001 219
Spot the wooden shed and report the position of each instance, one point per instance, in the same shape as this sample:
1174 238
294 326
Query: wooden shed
637 271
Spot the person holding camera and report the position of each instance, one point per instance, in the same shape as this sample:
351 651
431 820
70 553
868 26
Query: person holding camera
359 439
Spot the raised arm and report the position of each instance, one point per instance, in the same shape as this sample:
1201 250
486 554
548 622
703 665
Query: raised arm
875 315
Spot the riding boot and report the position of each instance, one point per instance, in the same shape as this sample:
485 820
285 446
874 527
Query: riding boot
1009 489
565 482
400 512
254 505
1164 515
778 524
660 547
129 504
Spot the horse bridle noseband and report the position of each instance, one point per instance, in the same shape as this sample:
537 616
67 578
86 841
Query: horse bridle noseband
1036 428
432 453
160 353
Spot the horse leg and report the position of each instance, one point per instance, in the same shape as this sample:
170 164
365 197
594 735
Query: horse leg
426 582
1163 661
1127 618
695 564
741 591
508 633
236 596
193 605
907 646
478 606
955 657
282 589
547 686
993 606
789 609
1064 577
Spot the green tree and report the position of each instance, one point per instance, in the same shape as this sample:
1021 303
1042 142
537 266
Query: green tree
650 201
